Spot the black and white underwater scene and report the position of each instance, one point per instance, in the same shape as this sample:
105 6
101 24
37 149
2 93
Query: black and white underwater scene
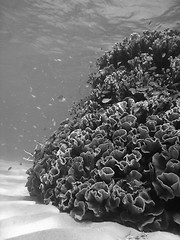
90 119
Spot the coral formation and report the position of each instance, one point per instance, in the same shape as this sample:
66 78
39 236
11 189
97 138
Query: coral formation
117 158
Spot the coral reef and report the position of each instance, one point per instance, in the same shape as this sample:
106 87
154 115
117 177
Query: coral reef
117 158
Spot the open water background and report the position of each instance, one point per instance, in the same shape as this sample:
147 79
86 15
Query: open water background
47 50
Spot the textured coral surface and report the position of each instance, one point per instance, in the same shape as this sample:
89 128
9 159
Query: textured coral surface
117 158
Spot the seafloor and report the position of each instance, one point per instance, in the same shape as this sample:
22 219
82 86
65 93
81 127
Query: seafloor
21 218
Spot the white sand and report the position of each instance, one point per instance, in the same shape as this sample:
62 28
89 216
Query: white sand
23 219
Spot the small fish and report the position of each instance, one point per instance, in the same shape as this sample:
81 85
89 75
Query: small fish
156 93
105 92
54 122
9 168
61 98
163 55
133 90
32 95
159 75
31 89
57 60
119 63
175 84
153 84
34 126
142 89
106 100
38 107
152 68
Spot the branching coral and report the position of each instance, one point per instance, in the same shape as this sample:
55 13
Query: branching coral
118 157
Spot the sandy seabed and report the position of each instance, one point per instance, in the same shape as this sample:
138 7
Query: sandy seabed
21 218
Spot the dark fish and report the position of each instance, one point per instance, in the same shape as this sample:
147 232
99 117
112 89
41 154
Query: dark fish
9 168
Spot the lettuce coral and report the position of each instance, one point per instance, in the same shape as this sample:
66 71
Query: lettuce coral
117 158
